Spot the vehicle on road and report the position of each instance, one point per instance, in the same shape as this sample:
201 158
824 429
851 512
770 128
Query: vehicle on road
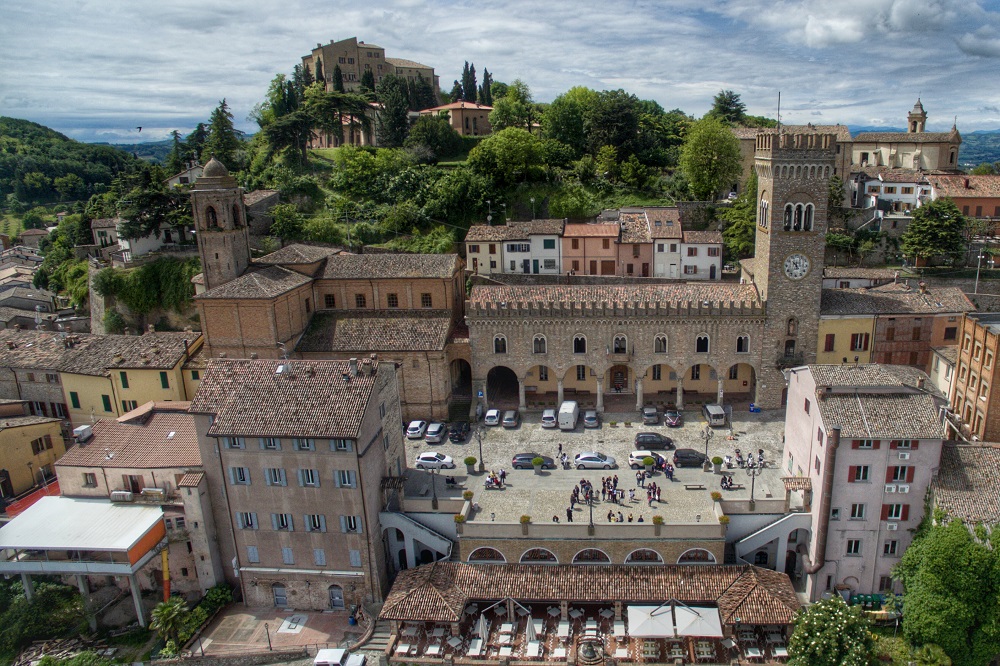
549 419
434 460
511 419
688 458
650 416
492 417
715 415
673 418
458 432
593 460
636 457
569 414
416 429
653 440
436 433
591 419
523 461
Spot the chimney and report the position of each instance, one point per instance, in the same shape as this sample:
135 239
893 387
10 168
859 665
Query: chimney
965 182
920 383
923 287
353 365
819 557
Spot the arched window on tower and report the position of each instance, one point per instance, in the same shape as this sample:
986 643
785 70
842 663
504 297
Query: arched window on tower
579 345
499 345
789 348
789 213
538 344
701 344
213 219
807 218
793 327
660 344
743 344
236 215
797 222
620 344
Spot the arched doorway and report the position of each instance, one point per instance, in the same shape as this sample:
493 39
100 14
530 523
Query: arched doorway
336 595
502 388
618 379
701 383
740 383
461 378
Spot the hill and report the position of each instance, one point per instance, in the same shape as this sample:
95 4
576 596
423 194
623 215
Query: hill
978 147
153 151
39 165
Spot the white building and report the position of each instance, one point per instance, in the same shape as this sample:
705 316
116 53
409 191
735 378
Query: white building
701 255
516 247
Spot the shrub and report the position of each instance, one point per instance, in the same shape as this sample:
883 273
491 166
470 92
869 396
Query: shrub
716 495
648 461
459 518
470 460
723 520
538 461
657 520
467 495
716 460
525 520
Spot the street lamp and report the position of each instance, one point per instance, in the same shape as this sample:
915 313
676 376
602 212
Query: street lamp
479 438
434 489
532 208
753 473
489 216
267 630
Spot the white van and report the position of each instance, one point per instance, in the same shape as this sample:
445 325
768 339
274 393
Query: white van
569 413
715 415
337 657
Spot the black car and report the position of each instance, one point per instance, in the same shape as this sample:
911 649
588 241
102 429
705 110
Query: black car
673 418
459 432
688 458
652 440
523 461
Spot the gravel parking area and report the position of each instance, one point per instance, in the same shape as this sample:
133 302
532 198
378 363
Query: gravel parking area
547 494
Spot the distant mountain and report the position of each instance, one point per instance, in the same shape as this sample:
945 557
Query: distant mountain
855 129
152 151
979 147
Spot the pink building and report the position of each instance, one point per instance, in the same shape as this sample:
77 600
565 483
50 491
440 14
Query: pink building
591 249
635 245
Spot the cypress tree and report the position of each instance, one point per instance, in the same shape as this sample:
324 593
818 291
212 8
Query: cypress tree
338 79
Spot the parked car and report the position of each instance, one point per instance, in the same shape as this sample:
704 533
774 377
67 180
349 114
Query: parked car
636 457
434 460
549 419
591 419
492 417
511 419
458 432
593 460
673 418
416 429
653 440
436 433
650 416
688 458
523 461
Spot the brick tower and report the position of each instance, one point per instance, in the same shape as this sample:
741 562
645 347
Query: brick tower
221 223
793 175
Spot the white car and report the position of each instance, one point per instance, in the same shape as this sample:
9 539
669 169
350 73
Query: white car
549 419
492 417
416 429
593 460
434 460
636 458
435 433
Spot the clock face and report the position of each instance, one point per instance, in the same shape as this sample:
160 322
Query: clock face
796 266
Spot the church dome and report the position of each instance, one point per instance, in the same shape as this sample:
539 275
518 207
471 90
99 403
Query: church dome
214 169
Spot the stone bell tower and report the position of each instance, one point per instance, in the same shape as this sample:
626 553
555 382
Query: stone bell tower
221 225
916 119
793 175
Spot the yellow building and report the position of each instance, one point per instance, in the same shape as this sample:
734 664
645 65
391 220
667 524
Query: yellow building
29 447
845 336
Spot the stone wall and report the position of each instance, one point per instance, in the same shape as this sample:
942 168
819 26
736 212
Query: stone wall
245 659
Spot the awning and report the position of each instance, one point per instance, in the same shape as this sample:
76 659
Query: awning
697 621
670 621
650 622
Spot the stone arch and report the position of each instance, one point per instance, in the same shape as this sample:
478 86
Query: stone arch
644 556
661 343
696 556
211 217
581 377
700 378
539 345
579 343
484 554
539 556
619 344
591 556
500 344
542 384
659 382
461 377
502 387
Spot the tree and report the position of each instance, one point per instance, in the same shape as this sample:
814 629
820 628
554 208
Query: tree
70 186
367 82
986 169
937 229
931 655
612 119
710 158
456 94
195 141
288 222
291 132
507 157
394 121
831 633
338 79
421 94
176 159
436 134
168 618
224 140
728 108
740 234
498 90
485 91
318 74
331 110
469 88
564 117
514 109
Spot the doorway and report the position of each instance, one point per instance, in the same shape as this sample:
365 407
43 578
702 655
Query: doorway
336 597
711 272
619 378
280 595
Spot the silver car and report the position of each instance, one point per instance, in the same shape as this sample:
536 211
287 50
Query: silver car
549 419
435 433
593 460
492 417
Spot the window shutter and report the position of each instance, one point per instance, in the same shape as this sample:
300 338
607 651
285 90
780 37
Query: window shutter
355 558
302 481
352 478
894 444
876 444
284 479
252 555
855 443
343 524
906 512
852 473
889 473
319 557
322 523
336 478
232 476
274 521
909 474
267 477
361 525
262 447
914 444
885 512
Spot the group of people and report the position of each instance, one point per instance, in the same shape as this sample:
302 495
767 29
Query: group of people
726 482
496 479
619 518
749 461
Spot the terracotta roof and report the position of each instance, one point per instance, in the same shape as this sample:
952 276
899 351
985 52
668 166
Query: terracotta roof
748 265
39 349
546 227
458 105
908 137
634 228
105 223
377 331
485 232
894 175
403 62
255 197
861 273
617 294
297 253
438 592
266 282
954 186
967 485
191 480
310 399
513 230
894 299
607 230
159 435
949 353
29 294
382 266
197 360
882 415
8 313
868 375
842 131
703 237
7 422
34 232
153 351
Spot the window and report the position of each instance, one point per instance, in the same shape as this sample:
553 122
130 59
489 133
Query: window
350 524
392 300
743 344
319 557
247 520
518 247
692 252
916 334
89 480
195 375
834 514
853 547
977 352
690 270
549 264
579 345
239 476
857 512
426 301
180 523
635 250
889 190
606 244
282 522
253 556
866 444
129 405
355 556
329 300
660 344
74 399
734 372
493 248
548 243
315 522
893 511
890 547
341 445
270 443
499 345
576 265
360 301
713 252
806 406
124 378
473 248
286 556
538 344
575 243
581 373
858 473
234 442
695 373
304 444
829 342
890 334
106 399
885 584
274 476
900 473
906 190
309 478
701 344
657 372
345 478
165 380
620 344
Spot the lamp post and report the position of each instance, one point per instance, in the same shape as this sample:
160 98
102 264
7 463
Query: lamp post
753 473
736 624
489 215
479 438
267 631
434 489
532 208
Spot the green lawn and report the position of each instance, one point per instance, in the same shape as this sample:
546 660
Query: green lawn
10 225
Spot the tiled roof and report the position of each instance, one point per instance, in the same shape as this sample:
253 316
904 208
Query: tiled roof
894 175
297 253
197 360
26 420
949 353
894 299
403 62
606 230
264 283
867 375
191 480
621 294
513 230
105 223
381 266
635 228
954 186
547 227
34 232
845 272
255 197
30 294
703 237
664 223
8 313
309 399
438 592
39 349
457 105
153 351
486 232
377 331
842 132
152 436
882 415
907 137
988 320
968 482
748 265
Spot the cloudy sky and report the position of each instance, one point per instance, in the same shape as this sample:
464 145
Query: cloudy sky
96 69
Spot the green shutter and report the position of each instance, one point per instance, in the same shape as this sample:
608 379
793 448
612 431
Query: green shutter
164 380
74 399
124 376
107 402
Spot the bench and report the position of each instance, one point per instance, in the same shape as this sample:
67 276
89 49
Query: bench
737 486
694 486
424 490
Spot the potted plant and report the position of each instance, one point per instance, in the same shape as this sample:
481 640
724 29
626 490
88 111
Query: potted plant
723 520
648 462
524 524
459 522
470 464
716 464
467 495
537 463
657 524
716 496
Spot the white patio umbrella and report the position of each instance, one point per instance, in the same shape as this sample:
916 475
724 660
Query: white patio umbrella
698 621
650 621
532 636
481 627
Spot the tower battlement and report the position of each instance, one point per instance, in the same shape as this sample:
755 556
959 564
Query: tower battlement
793 145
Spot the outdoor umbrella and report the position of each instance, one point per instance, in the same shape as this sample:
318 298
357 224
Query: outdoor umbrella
650 621
481 627
697 621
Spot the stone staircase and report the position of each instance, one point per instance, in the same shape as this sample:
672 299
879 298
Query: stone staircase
379 640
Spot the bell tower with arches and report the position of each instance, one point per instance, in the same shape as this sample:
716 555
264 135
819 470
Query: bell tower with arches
793 176
221 225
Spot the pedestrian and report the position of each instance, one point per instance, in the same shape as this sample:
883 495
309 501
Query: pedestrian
572 501
670 472
621 518
649 498
640 520
631 495
503 475
638 479
560 449
630 517
569 515
657 494
616 481
604 493
555 519
611 517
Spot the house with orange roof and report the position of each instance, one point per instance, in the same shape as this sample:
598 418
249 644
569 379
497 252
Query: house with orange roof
466 118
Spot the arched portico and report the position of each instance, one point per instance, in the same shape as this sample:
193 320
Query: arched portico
740 383
700 383
658 385
503 388
542 387
583 384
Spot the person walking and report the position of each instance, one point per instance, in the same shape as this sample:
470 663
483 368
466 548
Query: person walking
569 514
503 476
631 495
560 449
657 494
670 472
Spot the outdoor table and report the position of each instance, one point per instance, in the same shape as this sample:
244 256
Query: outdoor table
608 614
559 653
433 649
619 629
539 625
650 649
553 612
775 637
753 652
575 613
522 611
747 635
410 631
475 647
562 631
402 648
507 628
506 651
471 610
454 641
780 652
438 633
621 653
534 649
500 610
677 651
505 639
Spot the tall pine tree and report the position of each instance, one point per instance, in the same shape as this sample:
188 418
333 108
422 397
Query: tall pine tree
318 75
338 79
195 142
456 92
469 82
224 140
485 94
176 158
367 81
394 122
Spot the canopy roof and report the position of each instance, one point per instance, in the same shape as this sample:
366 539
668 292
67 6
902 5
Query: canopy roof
64 523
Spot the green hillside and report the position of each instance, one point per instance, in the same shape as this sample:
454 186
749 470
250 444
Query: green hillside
153 151
979 147
40 165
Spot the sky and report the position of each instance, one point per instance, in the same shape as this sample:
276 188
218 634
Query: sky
98 69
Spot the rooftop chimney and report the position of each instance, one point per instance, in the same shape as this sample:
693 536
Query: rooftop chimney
920 383
353 365
965 181
923 287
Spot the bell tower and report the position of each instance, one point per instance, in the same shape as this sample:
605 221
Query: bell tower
221 225
916 119
793 176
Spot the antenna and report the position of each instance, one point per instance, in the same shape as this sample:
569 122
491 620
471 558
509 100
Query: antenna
779 112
